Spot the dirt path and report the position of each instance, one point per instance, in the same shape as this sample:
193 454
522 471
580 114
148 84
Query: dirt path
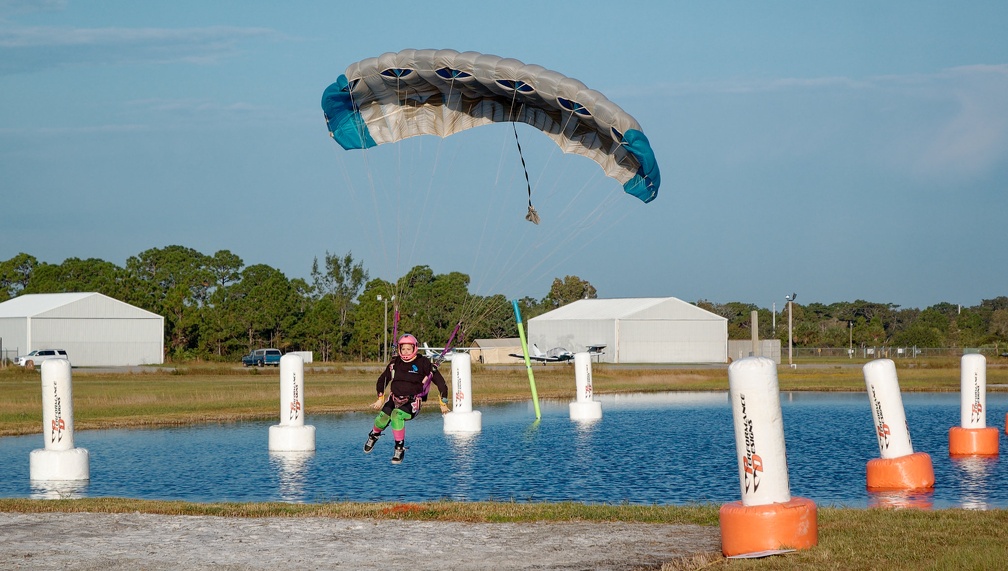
106 542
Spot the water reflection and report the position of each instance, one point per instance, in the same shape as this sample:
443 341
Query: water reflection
292 469
463 447
917 499
972 474
58 489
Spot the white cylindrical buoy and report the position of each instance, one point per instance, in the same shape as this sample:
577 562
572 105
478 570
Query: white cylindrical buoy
887 409
59 460
899 467
291 434
584 407
759 431
768 518
973 391
973 437
462 417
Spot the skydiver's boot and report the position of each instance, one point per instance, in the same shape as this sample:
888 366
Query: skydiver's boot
399 452
372 437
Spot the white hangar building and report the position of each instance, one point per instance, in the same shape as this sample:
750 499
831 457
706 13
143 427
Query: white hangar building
635 330
94 329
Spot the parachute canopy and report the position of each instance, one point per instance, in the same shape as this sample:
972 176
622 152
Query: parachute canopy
442 92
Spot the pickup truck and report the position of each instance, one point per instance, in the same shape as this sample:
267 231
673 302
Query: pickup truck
262 357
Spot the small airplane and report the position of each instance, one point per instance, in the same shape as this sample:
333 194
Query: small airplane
435 352
555 355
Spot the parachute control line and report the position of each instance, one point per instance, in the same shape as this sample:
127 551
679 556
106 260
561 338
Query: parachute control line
532 215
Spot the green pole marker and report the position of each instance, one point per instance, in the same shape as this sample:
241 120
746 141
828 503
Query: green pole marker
528 362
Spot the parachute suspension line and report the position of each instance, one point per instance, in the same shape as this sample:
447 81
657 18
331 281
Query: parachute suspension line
532 215
553 153
422 227
398 191
476 308
371 183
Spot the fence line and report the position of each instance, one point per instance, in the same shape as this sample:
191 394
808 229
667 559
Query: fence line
7 356
888 352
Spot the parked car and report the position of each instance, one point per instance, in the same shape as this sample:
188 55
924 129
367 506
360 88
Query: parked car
262 357
35 358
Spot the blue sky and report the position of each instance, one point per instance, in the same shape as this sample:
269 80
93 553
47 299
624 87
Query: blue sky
850 150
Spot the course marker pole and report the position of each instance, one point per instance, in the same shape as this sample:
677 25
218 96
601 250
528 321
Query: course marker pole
292 434
898 466
584 407
60 460
768 519
528 362
973 437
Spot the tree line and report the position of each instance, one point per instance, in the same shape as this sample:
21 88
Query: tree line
216 307
867 324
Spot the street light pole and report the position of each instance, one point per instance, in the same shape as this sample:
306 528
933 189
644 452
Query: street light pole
790 301
773 312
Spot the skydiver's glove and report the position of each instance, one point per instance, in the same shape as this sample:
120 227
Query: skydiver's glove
378 403
444 406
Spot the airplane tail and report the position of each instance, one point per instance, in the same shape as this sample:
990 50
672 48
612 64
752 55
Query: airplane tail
536 351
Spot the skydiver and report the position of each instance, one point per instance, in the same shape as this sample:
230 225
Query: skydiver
405 376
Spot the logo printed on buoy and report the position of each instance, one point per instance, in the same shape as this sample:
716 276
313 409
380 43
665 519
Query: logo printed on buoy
752 463
295 405
58 425
882 429
976 411
459 395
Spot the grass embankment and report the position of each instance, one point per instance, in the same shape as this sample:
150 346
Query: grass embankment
848 539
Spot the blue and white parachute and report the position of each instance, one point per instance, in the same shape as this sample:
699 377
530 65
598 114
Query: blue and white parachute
442 92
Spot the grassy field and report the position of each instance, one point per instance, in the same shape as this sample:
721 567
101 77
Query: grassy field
201 393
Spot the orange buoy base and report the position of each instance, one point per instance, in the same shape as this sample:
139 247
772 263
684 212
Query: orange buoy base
973 441
752 529
910 472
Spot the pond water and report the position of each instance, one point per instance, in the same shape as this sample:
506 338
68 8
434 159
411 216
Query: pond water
667 448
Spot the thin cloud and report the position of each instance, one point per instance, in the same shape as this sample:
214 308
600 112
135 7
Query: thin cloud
31 49
946 125
195 106
63 131
15 7
973 138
